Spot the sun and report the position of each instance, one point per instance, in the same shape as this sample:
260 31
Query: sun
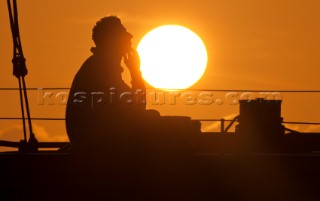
172 57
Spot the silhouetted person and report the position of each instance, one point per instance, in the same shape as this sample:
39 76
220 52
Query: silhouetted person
102 108
105 115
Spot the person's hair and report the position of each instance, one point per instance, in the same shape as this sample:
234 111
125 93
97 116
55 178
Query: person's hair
107 27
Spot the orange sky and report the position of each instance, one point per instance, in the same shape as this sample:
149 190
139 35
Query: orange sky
263 45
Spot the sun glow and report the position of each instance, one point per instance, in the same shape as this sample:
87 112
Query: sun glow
172 57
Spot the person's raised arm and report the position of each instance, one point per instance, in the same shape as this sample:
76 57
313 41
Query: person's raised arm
132 61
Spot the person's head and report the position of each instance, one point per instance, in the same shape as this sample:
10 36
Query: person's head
109 34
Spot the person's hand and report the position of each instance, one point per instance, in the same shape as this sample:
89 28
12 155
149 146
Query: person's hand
132 61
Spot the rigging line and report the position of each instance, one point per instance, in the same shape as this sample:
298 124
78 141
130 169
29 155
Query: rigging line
249 90
22 111
34 118
19 68
307 123
12 25
15 35
212 119
212 90
4 143
33 89
285 122
19 47
217 120
27 107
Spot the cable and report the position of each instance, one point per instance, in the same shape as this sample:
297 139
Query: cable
20 71
38 119
211 90
22 111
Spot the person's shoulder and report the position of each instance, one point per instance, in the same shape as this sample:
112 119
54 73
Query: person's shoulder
83 72
88 62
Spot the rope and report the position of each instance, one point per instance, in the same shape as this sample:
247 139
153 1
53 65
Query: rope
28 109
16 41
22 111
38 119
227 120
20 71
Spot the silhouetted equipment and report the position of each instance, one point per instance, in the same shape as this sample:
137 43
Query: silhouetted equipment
178 162
20 71
260 116
261 128
260 123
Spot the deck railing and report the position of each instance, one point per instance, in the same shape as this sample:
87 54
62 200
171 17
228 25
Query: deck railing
225 124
